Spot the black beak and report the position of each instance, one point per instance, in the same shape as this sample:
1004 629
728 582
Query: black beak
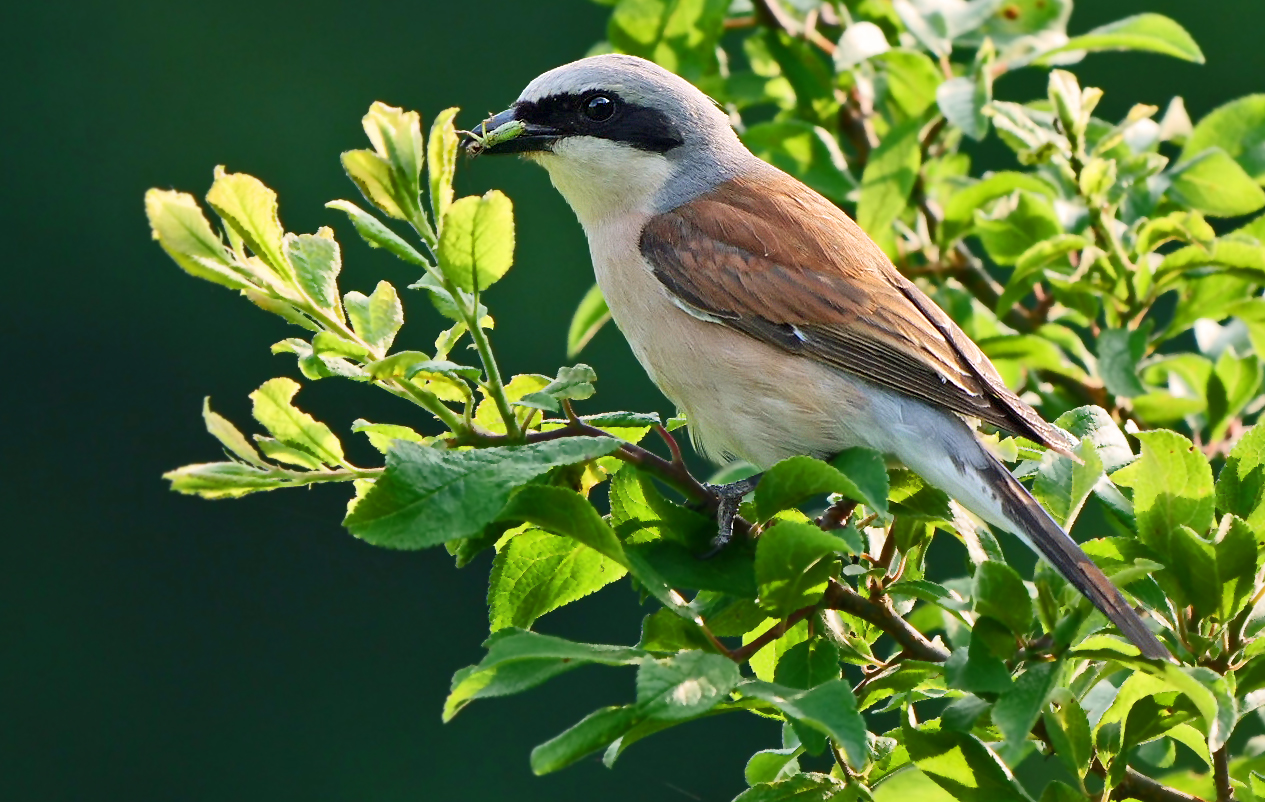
505 133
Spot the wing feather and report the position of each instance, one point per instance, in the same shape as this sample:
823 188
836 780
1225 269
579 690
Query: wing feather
769 257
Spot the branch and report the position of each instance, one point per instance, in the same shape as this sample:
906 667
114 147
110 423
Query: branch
841 597
1139 786
1221 775
673 473
745 652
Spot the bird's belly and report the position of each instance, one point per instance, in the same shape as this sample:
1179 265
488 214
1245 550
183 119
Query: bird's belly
743 398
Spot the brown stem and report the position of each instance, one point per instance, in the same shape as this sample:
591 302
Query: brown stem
772 15
1136 785
841 597
672 473
855 123
671 443
836 515
1221 774
745 652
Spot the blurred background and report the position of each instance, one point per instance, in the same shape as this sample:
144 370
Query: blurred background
156 647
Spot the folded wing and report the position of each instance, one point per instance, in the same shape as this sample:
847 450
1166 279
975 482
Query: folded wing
767 256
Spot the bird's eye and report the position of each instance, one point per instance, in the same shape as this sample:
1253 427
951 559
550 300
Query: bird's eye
599 108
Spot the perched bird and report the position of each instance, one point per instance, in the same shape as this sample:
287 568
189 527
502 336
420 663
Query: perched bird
764 312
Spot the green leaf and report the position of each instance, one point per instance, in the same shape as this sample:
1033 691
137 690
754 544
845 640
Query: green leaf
904 680
678 35
808 664
250 209
1015 225
806 787
1018 709
535 573
640 513
1238 128
829 708
280 452
377 235
867 470
1062 486
1001 594
679 565
1119 351
589 318
396 136
317 260
793 563
430 496
1096 424
383 435
796 479
326 343
1172 486
476 247
860 41
1192 561
1031 265
962 765
565 512
441 155
1210 695
976 669
959 211
595 731
1241 483
808 152
371 174
1068 728
1154 33
228 435
685 685
224 480
888 179
575 384
519 660
1233 385
1212 182
1237 563
771 765
910 79
1058 791
176 221
273 408
664 631
378 317
1183 226
962 101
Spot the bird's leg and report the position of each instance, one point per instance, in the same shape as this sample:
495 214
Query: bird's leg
728 498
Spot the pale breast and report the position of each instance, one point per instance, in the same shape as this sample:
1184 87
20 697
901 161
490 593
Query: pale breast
744 398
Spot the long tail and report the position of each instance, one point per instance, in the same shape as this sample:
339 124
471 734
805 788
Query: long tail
948 454
1026 518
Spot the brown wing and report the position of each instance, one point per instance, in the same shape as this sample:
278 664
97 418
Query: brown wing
771 258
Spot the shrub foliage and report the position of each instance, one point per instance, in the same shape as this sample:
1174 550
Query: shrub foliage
1114 275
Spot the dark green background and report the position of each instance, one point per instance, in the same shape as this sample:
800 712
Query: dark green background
155 647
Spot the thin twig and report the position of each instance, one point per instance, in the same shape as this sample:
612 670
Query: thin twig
1221 774
671 443
743 654
1136 785
841 597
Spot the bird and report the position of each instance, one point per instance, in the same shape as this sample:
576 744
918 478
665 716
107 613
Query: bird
765 313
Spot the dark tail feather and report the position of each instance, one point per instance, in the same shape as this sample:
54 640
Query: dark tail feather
1072 563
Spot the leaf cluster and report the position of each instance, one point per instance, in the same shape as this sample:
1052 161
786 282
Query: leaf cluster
1112 275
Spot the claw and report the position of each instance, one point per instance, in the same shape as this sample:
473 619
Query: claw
728 499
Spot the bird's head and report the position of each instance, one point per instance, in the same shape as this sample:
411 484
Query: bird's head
617 133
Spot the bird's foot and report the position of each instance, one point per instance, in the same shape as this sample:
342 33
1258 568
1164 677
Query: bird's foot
728 499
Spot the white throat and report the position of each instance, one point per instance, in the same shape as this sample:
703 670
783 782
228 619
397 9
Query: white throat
601 179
